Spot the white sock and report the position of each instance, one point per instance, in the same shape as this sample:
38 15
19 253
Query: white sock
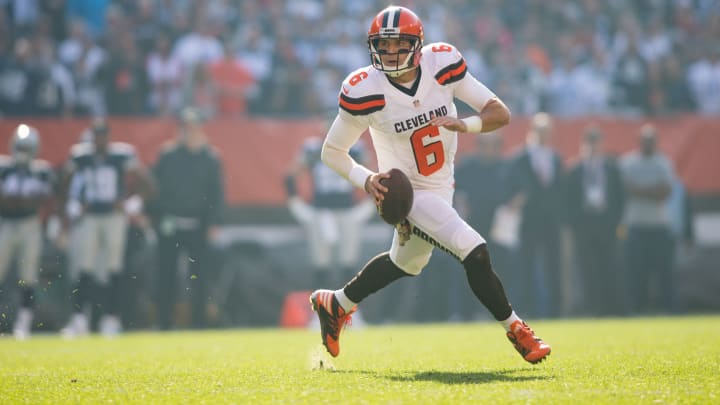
343 300
510 320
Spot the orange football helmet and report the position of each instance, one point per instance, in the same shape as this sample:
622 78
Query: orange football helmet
398 23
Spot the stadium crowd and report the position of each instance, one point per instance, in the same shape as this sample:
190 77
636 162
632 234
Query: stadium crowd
262 57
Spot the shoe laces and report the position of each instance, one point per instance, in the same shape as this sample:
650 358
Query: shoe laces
337 322
525 336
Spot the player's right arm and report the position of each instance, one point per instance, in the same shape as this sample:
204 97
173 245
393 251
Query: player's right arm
343 134
359 98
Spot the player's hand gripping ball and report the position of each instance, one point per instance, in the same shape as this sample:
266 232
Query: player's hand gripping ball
398 201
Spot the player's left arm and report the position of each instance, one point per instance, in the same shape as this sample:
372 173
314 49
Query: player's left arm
492 112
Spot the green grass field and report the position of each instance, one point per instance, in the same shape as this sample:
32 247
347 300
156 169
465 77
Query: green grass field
633 361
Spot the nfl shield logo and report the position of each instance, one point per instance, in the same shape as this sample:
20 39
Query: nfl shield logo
416 103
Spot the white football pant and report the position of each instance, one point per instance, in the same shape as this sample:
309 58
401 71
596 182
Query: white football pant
434 223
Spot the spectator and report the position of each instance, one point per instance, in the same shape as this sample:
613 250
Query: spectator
595 208
198 46
25 14
234 83
200 91
85 59
576 89
171 14
286 92
19 79
146 25
26 183
598 36
56 93
188 209
536 189
676 91
255 51
125 80
346 53
324 85
704 79
54 12
648 176
656 44
164 73
631 81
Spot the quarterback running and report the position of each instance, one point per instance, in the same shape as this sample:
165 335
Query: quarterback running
405 97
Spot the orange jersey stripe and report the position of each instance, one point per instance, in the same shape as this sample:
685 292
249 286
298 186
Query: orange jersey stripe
452 73
362 106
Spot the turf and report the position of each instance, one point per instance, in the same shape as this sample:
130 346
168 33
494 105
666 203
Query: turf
633 361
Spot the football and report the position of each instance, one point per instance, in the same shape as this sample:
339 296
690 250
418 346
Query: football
398 199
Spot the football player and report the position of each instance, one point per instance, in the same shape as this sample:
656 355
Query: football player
331 212
26 183
406 100
98 203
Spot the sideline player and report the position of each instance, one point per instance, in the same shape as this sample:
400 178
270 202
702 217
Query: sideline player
98 205
26 184
332 218
405 97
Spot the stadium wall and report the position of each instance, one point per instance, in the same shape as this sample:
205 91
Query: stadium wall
257 152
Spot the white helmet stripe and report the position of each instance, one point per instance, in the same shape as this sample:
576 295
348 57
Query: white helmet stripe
393 18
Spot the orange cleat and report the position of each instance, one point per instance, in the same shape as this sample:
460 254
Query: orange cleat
332 318
530 347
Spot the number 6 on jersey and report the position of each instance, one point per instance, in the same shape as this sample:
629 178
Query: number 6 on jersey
429 155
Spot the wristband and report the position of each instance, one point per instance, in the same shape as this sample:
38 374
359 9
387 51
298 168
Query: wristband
358 175
473 123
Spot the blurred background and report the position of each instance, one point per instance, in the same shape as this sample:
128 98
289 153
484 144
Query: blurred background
263 78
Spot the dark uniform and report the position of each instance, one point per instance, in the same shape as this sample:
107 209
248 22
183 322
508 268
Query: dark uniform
23 187
596 200
329 189
190 199
95 204
332 219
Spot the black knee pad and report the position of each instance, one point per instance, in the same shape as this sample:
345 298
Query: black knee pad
478 259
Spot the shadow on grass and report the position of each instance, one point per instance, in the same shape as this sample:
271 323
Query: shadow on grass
455 377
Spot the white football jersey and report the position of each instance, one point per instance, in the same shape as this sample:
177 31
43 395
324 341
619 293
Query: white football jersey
399 118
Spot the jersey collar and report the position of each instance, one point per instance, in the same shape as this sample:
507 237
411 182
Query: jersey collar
409 91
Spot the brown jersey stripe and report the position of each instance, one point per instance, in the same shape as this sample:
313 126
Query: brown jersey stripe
362 105
452 73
